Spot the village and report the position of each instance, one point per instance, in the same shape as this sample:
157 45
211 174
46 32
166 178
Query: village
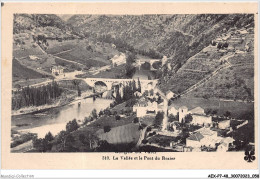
154 116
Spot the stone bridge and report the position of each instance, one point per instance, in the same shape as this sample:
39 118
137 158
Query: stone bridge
141 61
145 84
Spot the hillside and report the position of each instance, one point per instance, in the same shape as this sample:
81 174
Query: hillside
182 38
185 39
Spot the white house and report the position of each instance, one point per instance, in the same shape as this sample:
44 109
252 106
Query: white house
172 110
202 120
224 144
224 124
203 137
197 110
118 59
57 70
33 57
169 94
183 111
144 107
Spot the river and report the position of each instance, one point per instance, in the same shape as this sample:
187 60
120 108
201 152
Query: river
55 119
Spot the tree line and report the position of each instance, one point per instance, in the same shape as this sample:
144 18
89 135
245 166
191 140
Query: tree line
126 92
36 96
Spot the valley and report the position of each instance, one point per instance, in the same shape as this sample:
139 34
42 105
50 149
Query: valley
123 86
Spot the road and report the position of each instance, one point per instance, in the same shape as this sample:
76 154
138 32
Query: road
165 108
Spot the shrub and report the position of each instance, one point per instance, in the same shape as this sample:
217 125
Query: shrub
136 120
107 129
149 129
118 117
144 141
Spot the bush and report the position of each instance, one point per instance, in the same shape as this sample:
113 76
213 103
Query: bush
72 126
136 120
107 129
144 141
149 129
118 117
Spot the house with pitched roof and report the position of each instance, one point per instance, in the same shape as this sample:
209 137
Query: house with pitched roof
145 107
203 137
169 94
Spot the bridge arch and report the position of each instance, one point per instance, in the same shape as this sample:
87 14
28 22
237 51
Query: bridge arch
100 86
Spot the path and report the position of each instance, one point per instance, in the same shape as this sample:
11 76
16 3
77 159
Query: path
165 108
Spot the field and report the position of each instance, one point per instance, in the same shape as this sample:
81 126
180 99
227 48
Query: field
57 47
121 135
236 108
21 72
161 140
89 54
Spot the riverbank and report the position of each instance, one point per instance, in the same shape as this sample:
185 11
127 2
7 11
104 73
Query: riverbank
61 102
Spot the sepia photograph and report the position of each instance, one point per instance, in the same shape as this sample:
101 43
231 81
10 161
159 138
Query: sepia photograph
125 83
129 85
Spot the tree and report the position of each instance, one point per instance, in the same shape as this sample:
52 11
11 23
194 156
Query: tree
72 126
158 119
94 114
82 138
227 114
107 129
101 113
136 120
139 86
49 137
188 118
118 117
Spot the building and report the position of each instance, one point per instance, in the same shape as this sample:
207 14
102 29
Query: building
203 137
224 144
172 110
197 110
169 94
164 60
202 120
224 124
57 70
33 57
144 107
118 59
183 111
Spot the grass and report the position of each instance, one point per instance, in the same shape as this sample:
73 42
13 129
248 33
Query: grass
120 135
57 47
21 72
236 108
161 140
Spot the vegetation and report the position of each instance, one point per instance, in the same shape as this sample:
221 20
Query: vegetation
36 96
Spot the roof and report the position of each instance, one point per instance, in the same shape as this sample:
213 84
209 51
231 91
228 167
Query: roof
197 137
197 110
227 140
206 131
142 103
224 121
168 92
201 115
183 107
